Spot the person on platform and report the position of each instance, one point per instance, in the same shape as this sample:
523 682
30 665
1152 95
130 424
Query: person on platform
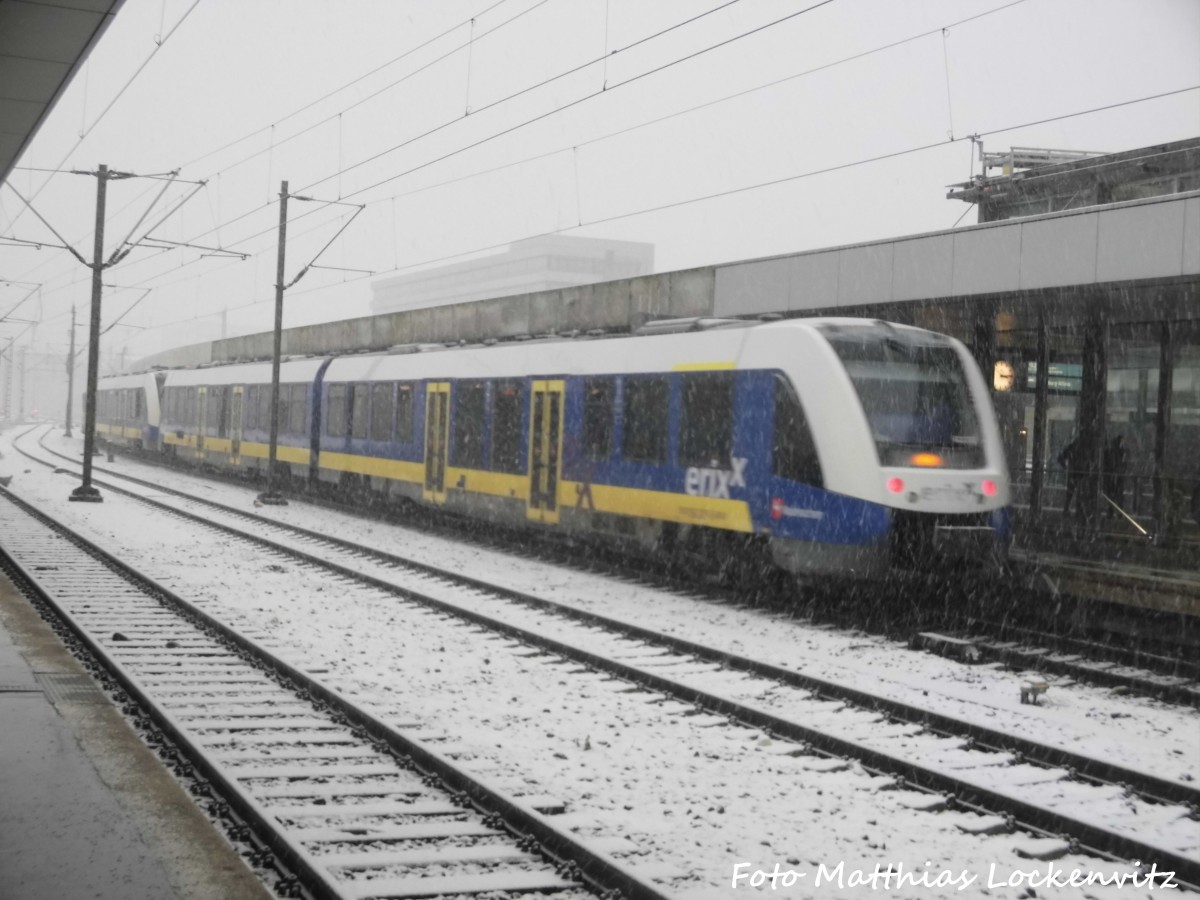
1115 461
1071 458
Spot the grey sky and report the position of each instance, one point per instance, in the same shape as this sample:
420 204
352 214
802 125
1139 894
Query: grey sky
802 129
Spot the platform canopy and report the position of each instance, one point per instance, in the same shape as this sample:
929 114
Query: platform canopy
43 43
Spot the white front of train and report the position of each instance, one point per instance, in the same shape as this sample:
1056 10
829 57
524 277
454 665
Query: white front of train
916 433
929 417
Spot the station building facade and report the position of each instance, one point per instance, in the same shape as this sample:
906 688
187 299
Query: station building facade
544 263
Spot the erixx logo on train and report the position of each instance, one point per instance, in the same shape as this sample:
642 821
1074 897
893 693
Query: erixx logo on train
712 482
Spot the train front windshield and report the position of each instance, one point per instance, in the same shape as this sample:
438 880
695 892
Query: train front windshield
915 396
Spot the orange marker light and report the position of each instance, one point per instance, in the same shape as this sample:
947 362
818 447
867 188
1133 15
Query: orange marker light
926 460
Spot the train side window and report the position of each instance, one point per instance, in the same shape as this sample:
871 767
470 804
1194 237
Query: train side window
250 408
506 427
221 402
285 409
381 411
404 413
793 453
706 419
212 413
335 411
297 409
264 408
358 410
598 397
469 397
646 410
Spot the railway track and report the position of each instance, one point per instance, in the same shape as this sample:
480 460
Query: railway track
348 806
1148 667
1045 789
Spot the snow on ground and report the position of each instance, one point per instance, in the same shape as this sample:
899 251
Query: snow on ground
693 799
1132 731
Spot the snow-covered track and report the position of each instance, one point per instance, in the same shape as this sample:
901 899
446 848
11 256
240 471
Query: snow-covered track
1044 788
1164 672
1170 680
352 807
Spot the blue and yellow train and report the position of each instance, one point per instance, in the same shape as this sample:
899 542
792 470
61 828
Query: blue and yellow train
835 446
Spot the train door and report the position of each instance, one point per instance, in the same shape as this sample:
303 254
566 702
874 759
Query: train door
545 450
201 421
437 430
235 425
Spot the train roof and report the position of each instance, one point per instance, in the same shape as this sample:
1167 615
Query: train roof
119 382
290 372
715 348
665 345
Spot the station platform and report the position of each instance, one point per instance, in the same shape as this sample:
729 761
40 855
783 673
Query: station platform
86 809
1110 559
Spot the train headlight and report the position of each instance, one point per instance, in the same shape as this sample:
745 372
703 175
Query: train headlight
895 485
988 487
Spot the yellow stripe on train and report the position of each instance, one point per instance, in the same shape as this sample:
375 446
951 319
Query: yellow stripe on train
118 430
395 469
711 512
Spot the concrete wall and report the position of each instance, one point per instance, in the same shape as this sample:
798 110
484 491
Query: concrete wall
612 306
1157 238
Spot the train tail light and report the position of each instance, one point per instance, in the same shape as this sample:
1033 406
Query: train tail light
988 487
895 485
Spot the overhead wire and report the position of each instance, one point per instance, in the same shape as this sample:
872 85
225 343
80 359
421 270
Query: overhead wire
705 197
885 156
716 195
708 104
803 175
568 105
160 40
527 89
349 84
747 188
630 129
451 122
158 45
